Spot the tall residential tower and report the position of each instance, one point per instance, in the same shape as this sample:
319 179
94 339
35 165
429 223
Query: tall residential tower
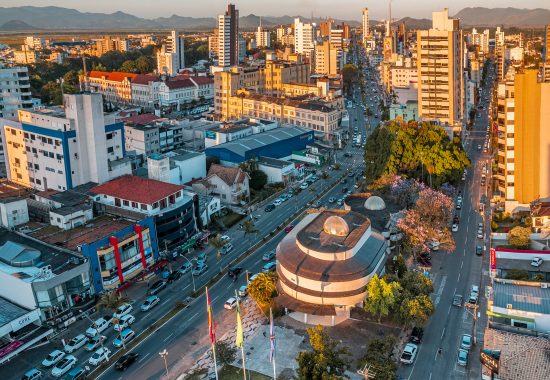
228 37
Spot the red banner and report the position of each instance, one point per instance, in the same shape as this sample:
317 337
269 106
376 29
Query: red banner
493 259
10 347
139 231
114 242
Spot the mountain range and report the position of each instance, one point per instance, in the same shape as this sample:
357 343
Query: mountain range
30 17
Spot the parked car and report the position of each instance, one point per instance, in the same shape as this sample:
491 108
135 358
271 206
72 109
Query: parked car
125 322
536 262
53 358
228 247
424 261
243 291
466 342
95 342
479 250
454 228
199 269
123 310
268 256
174 276
434 246
100 355
76 373
157 287
64 366
32 374
304 186
331 200
225 238
100 325
149 303
185 267
230 304
270 207
426 255
462 358
75 343
201 258
278 201
457 300
125 361
269 267
289 228
416 335
124 337
409 353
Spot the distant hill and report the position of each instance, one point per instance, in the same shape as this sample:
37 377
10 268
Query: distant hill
29 17
13 25
415 23
479 16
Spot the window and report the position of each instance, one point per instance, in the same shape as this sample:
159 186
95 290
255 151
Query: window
110 149
126 203
26 135
36 167
117 202
134 205
109 136
38 182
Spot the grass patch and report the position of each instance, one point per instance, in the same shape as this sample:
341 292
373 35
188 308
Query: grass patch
233 373
231 219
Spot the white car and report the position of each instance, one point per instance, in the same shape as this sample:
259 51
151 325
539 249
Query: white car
230 304
454 228
122 310
98 327
243 291
64 366
409 353
304 186
53 358
225 238
101 355
75 343
149 303
278 201
536 262
480 233
124 322
125 336
95 342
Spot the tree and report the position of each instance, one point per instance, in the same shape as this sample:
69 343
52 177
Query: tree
128 66
217 243
249 227
328 361
111 301
379 357
382 296
144 65
517 274
350 75
519 237
211 160
225 353
258 179
263 288
416 311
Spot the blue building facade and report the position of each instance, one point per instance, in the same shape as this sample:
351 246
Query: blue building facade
123 255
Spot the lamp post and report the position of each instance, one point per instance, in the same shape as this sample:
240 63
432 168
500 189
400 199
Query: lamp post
191 271
163 354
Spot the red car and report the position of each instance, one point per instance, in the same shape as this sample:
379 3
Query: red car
289 228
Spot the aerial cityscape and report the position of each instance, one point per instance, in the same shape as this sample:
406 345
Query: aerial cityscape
309 190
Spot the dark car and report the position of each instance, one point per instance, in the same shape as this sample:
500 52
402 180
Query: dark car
270 207
344 189
126 361
426 255
173 276
456 219
234 272
416 335
423 261
347 154
157 287
479 250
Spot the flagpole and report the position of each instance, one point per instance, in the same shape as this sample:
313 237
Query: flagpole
212 332
242 344
272 343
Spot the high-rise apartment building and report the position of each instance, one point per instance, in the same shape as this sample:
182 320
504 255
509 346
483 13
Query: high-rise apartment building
327 58
60 148
325 26
35 43
500 49
304 38
228 37
365 24
107 44
15 91
263 37
171 57
213 43
524 123
546 54
439 65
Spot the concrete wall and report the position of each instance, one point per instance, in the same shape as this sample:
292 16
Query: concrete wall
14 213
17 291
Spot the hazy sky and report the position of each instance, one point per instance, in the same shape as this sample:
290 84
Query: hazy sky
348 9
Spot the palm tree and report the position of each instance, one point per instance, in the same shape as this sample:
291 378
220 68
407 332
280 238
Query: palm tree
217 243
111 301
262 289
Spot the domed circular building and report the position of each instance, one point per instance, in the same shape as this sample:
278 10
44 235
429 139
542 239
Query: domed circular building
375 203
325 263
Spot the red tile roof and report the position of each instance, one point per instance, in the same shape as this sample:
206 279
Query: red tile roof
137 189
115 76
202 80
143 119
179 83
145 79
227 174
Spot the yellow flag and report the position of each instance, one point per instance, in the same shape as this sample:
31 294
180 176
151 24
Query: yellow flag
240 336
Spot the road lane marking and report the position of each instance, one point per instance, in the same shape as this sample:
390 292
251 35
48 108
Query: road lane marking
143 358
462 262
458 280
443 332
168 337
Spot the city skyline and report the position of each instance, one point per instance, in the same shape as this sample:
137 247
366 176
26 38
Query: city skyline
347 9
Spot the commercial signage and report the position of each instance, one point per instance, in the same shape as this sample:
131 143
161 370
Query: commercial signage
493 261
488 359
24 320
210 135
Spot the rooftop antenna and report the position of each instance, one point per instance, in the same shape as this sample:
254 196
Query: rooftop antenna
389 24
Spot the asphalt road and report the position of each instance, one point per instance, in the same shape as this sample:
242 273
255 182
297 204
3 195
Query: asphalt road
455 273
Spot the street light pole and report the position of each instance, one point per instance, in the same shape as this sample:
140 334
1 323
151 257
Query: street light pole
191 271
163 354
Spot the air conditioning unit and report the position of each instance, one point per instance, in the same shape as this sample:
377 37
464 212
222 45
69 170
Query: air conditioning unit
509 306
544 285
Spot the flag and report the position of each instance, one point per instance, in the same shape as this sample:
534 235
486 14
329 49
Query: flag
271 337
239 340
211 322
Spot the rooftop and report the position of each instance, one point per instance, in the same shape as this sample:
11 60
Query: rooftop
100 227
115 76
140 119
531 298
229 175
137 189
259 140
9 190
31 256
521 356
273 162
312 105
10 311
71 197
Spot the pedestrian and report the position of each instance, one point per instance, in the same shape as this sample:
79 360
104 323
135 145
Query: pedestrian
439 351
264 335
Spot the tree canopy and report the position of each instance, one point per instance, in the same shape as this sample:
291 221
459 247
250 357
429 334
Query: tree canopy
519 237
328 361
263 288
382 296
258 179
422 151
